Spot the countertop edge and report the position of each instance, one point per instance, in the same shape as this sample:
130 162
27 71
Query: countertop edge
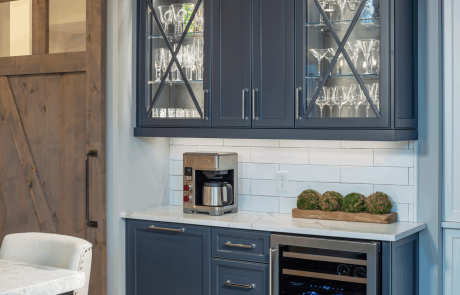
273 228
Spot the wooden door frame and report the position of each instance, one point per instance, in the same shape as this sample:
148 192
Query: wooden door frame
93 62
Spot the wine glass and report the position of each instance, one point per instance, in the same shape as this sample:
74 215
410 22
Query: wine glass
341 100
178 15
354 97
330 8
319 54
339 62
331 99
188 10
166 59
366 47
365 102
198 47
353 5
190 62
375 59
342 5
353 51
166 17
321 101
199 19
376 96
323 4
159 56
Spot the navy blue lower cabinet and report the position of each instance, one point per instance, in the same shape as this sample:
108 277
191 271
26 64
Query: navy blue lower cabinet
232 277
167 258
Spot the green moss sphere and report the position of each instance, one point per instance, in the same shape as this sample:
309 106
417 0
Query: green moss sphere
378 203
353 203
335 195
308 200
328 203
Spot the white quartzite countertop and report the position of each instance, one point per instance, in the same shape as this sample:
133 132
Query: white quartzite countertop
275 222
31 279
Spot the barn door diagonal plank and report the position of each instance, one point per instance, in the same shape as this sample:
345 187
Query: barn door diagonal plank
34 184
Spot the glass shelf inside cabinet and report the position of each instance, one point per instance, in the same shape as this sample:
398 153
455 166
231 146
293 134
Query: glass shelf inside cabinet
174 86
340 25
176 37
351 76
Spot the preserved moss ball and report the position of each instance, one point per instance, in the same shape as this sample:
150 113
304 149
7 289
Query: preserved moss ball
336 195
378 203
353 203
308 200
328 203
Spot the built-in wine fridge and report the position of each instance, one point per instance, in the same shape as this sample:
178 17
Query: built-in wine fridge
315 266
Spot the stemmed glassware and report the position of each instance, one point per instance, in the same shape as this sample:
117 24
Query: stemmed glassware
189 61
342 99
355 98
178 16
329 57
159 56
322 99
376 96
319 54
353 51
366 47
198 47
323 4
342 5
199 19
353 5
375 59
166 59
332 97
166 17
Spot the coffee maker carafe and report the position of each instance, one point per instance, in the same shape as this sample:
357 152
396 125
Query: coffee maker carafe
210 183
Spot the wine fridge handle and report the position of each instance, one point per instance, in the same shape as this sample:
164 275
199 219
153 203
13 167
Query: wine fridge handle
270 271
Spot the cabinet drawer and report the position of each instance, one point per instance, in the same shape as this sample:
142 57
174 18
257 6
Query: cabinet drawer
240 244
230 277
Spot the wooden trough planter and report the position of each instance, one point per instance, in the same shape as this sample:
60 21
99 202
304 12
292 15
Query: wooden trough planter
345 216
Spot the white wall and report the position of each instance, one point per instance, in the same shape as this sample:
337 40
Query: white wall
137 168
343 166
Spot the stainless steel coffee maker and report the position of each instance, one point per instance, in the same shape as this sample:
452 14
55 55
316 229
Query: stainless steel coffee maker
211 183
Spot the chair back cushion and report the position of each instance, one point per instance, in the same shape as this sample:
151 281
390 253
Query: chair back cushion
51 250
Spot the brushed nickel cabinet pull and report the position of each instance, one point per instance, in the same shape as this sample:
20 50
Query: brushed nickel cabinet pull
254 92
181 230
297 107
243 115
228 283
240 245
205 104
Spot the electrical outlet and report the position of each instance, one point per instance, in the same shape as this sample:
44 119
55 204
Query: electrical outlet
282 183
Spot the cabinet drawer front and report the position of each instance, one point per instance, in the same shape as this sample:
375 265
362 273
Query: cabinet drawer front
238 277
240 244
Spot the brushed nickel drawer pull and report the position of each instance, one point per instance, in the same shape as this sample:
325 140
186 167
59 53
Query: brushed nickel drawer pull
181 230
228 283
240 245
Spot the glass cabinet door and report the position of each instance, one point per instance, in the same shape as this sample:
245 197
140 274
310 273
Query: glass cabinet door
345 46
174 65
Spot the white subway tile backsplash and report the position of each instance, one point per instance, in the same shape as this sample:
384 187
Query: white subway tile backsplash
244 186
252 142
259 203
343 166
312 173
279 155
310 143
393 158
176 167
176 198
176 152
268 188
343 188
411 176
403 211
257 171
244 153
375 175
397 193
176 183
198 141
375 144
287 204
338 157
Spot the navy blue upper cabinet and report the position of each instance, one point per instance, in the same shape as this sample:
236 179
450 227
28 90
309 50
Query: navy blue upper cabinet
253 64
278 69
356 64
167 258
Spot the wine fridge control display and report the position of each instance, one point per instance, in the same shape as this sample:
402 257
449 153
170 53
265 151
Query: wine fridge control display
307 266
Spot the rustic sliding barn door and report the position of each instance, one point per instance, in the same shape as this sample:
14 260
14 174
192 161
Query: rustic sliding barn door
52 115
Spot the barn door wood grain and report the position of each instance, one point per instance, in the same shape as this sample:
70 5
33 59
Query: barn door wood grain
52 113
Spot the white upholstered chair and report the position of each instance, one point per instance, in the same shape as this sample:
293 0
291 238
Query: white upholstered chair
50 250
